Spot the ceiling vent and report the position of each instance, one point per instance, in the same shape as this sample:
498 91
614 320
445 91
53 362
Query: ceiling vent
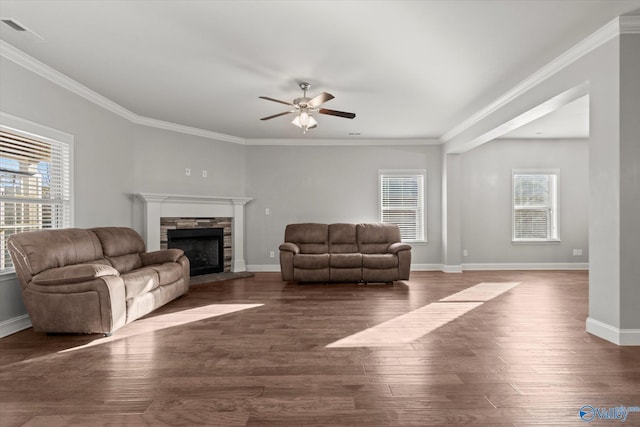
23 31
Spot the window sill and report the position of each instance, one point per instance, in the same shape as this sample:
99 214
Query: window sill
6 275
416 242
535 242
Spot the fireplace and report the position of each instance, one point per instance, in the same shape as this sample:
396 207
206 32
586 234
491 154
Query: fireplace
159 207
203 246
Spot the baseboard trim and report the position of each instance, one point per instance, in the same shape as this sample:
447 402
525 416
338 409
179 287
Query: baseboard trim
263 268
426 267
621 337
451 268
529 266
13 325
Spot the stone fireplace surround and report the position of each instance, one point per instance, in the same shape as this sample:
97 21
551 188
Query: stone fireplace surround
159 205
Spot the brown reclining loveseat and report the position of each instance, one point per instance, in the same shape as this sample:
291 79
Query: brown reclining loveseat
344 253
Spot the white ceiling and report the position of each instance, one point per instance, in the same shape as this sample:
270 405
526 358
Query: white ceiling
408 69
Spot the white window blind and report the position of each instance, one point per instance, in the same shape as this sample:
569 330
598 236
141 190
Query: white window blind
534 206
402 202
35 186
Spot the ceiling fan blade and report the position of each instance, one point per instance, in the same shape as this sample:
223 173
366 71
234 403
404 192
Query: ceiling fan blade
277 115
320 99
337 113
275 100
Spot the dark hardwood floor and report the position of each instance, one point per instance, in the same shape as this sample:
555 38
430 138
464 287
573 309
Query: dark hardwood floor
522 358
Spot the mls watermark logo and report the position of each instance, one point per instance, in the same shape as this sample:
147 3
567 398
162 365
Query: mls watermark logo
616 413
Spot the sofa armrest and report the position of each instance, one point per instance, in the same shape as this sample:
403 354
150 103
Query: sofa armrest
394 248
160 257
70 274
291 247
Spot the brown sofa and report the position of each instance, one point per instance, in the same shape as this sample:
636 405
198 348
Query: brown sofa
344 253
94 280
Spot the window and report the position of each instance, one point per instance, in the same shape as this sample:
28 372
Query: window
535 213
402 202
35 184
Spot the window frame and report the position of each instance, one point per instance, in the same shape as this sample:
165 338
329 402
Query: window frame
422 173
36 131
553 230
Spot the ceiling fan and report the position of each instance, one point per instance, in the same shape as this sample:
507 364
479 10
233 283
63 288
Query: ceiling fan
303 107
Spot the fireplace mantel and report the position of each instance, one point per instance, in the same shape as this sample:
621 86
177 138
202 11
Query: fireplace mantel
157 205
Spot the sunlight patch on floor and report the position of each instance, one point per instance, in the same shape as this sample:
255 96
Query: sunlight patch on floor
411 326
408 327
482 292
169 320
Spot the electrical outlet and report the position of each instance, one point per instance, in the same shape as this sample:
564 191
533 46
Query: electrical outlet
577 252
267 211
204 174
465 252
272 254
187 172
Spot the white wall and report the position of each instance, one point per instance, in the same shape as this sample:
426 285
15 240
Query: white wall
162 158
330 185
630 182
103 163
486 202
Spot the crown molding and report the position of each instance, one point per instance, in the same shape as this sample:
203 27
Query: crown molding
342 142
43 70
159 124
630 25
619 25
30 63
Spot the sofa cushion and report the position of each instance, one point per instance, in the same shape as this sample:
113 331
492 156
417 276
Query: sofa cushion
311 261
311 238
161 256
117 241
126 263
45 249
168 272
140 281
73 274
376 238
342 238
376 261
345 261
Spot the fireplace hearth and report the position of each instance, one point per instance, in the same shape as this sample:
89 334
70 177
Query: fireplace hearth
203 246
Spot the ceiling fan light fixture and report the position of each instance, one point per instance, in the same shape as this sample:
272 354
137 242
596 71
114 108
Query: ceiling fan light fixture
304 106
305 121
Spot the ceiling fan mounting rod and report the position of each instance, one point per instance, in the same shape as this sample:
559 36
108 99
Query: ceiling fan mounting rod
305 87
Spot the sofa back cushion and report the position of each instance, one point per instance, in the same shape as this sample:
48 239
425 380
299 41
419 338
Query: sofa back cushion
342 239
376 238
122 246
45 249
311 238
